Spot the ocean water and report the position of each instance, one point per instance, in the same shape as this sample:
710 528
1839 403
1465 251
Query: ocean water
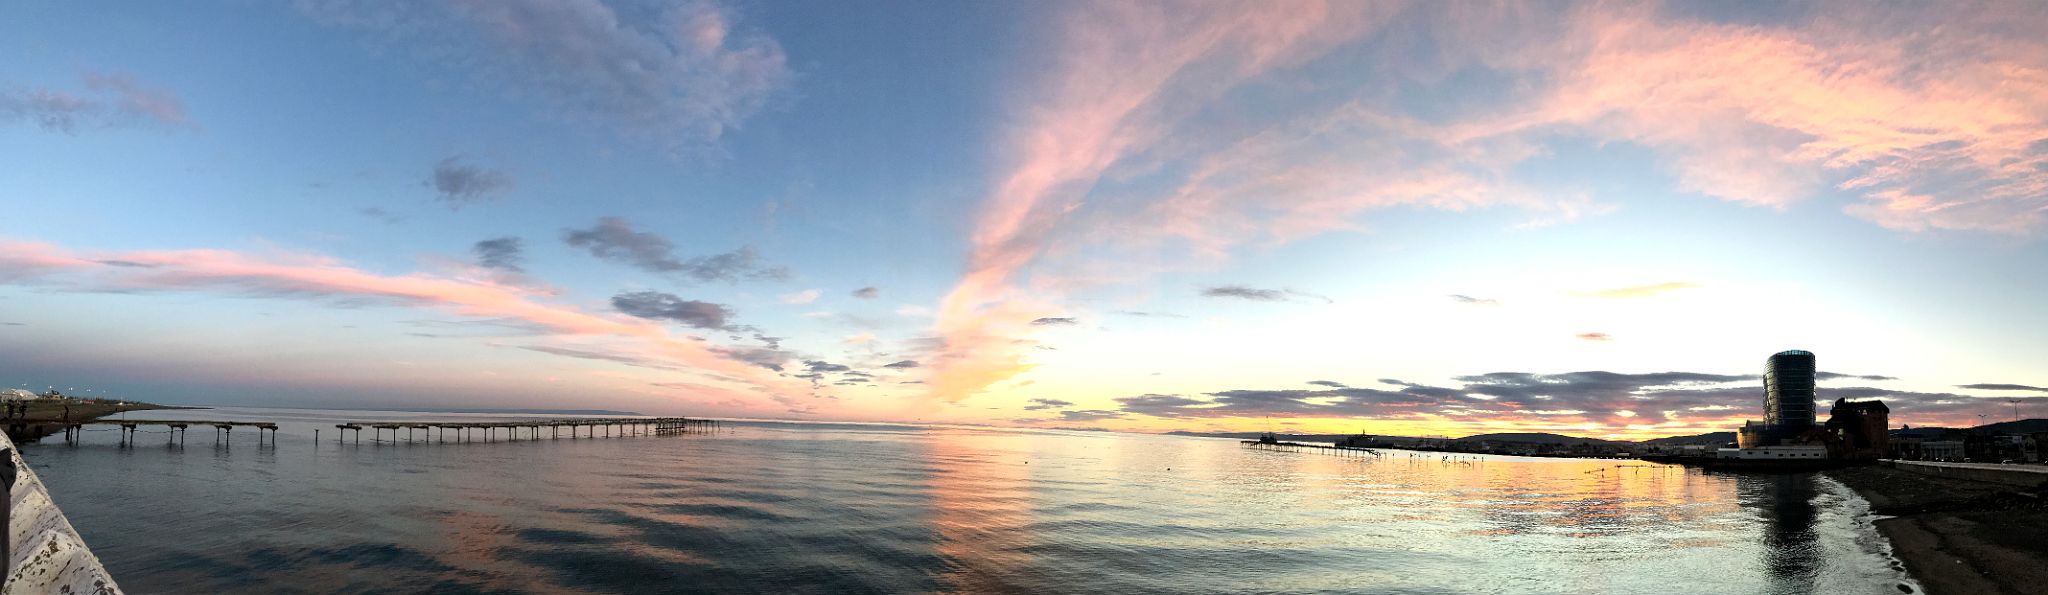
857 508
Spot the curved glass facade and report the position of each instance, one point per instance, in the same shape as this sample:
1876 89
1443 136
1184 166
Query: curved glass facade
1788 391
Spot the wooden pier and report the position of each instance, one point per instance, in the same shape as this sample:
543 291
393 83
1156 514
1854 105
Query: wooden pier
266 432
437 432
1299 447
416 432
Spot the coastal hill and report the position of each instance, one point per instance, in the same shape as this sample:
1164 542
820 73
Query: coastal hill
2024 426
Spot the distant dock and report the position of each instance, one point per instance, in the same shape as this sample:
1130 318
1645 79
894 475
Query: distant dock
1300 447
410 432
422 432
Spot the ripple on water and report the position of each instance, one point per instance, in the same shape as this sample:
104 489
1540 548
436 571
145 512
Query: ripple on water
793 508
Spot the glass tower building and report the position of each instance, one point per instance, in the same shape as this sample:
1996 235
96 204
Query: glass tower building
1788 392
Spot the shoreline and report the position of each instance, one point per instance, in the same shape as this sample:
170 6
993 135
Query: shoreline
44 419
1954 535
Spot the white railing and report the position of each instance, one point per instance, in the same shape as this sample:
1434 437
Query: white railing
44 554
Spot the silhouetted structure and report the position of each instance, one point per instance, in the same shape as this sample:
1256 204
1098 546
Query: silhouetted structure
1788 401
1858 431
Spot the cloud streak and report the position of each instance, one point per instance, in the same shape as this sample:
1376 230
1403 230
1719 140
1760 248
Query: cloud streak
614 239
1643 291
1591 402
2003 387
107 101
679 75
308 277
655 305
462 184
1260 295
505 254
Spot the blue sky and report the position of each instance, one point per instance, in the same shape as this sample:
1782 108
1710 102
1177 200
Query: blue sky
1094 205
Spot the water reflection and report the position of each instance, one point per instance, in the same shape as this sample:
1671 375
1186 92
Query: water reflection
855 508
1791 549
980 498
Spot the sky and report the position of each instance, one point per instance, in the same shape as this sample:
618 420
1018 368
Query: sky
1436 218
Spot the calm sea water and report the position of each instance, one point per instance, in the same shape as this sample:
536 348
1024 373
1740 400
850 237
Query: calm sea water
848 508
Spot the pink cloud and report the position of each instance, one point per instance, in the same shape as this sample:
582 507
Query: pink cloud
1126 74
108 100
1933 118
1926 127
481 296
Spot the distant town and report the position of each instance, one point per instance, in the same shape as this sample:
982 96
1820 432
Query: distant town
1856 431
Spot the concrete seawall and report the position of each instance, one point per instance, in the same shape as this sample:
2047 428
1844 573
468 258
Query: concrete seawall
2025 476
47 556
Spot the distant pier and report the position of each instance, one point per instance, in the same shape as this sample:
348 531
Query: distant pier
413 432
1300 447
437 432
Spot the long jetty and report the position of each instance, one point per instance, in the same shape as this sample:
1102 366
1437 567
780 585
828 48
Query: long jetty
434 431
176 428
1298 447
466 431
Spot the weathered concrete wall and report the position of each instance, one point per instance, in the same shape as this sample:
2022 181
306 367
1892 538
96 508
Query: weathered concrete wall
47 555
2025 476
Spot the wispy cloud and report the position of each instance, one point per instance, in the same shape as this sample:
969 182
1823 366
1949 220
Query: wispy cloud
107 100
1260 294
678 74
867 293
1581 402
504 253
1642 291
1054 321
308 277
1840 376
1595 336
801 297
655 305
1927 116
1042 404
381 215
1466 299
462 184
2003 387
615 240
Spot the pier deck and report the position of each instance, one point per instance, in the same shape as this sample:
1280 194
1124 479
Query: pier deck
466 431
1297 446
176 428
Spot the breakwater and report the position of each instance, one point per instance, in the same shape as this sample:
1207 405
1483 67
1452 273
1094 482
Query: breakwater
45 555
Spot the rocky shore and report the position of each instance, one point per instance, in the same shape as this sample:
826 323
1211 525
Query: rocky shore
1958 536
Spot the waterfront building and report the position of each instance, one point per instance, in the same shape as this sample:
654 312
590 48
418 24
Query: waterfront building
1859 430
1941 450
1777 453
1788 402
1789 393
1854 430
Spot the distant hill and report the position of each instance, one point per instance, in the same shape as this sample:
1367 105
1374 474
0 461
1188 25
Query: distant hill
1536 438
2024 426
1707 438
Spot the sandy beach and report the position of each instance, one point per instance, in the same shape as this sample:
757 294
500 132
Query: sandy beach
1958 536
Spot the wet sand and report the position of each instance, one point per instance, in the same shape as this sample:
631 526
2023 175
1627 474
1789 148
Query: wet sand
1958 536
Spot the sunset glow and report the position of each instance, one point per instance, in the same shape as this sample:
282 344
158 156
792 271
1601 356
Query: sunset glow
1333 217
